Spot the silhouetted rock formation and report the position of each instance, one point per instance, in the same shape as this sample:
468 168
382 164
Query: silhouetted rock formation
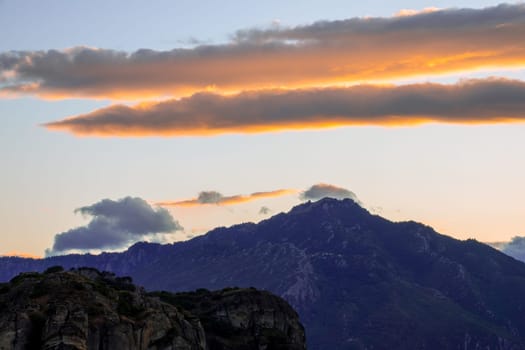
88 309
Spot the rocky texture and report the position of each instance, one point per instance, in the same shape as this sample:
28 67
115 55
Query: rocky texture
86 309
244 319
358 281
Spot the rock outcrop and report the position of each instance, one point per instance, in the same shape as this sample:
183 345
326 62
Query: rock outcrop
247 319
87 309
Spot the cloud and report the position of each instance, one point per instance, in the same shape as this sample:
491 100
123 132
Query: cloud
319 54
114 225
264 211
209 197
496 245
322 190
470 101
515 248
213 197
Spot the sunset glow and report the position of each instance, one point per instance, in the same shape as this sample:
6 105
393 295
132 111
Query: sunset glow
226 200
319 54
468 102
416 107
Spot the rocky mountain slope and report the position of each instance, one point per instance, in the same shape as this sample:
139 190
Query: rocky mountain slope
358 281
86 309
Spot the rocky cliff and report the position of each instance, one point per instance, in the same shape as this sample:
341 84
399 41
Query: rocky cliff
87 309
244 319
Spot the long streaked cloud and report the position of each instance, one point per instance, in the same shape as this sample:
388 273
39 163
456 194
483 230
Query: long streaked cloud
115 224
327 52
471 101
214 197
19 254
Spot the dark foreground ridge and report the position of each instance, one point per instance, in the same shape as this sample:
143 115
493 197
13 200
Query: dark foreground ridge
358 281
86 309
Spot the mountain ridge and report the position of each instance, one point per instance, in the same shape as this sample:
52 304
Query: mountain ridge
356 279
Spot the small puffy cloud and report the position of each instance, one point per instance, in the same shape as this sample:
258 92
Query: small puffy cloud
214 197
496 245
209 197
264 211
376 209
515 248
322 190
115 225
467 102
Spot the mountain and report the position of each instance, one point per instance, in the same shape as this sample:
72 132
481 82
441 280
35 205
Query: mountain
86 309
358 281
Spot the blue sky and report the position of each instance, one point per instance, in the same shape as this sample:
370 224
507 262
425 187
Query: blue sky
464 180
164 24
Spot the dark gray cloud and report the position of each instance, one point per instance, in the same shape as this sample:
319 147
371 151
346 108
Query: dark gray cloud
210 197
472 101
325 52
515 248
114 225
322 190
437 20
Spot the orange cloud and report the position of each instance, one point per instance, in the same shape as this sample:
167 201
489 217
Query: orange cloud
19 254
471 101
411 12
425 43
213 197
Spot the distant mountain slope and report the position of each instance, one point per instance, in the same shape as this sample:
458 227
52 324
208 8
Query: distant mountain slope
357 280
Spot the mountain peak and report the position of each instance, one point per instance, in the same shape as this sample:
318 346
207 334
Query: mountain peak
330 207
329 201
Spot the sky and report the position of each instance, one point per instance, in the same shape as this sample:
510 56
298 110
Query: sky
126 121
